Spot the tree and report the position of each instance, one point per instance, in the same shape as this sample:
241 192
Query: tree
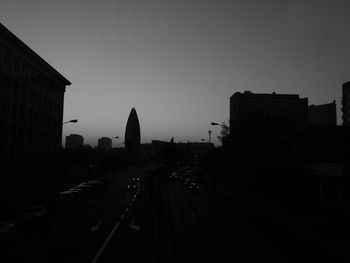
225 131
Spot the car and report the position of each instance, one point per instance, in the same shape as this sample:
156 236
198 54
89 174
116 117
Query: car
33 218
173 176
84 187
6 228
63 198
95 183
8 240
75 193
33 211
34 221
135 179
132 186
187 181
193 186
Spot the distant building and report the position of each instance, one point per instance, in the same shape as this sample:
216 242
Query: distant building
146 151
266 128
346 104
133 137
74 141
282 108
325 114
31 117
160 150
104 143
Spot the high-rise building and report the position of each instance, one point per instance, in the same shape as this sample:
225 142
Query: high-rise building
74 141
325 114
346 103
262 126
104 143
282 108
31 114
133 137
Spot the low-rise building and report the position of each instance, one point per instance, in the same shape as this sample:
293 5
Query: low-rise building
74 141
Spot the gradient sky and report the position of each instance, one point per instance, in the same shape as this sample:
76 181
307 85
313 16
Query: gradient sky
179 61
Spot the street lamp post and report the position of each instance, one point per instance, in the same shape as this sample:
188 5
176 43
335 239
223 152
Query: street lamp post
216 124
73 121
116 137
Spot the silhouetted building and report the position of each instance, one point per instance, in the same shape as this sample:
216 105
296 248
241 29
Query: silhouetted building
181 152
146 151
346 103
74 141
266 131
283 108
325 114
133 137
31 116
104 143
327 161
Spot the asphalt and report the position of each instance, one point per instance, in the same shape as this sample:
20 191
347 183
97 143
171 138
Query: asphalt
162 221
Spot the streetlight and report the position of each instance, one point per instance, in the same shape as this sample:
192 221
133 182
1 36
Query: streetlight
216 124
73 121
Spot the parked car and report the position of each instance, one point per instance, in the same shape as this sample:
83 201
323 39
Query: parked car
84 187
187 181
62 198
33 211
8 241
33 219
173 176
193 186
135 179
72 193
6 229
133 185
96 183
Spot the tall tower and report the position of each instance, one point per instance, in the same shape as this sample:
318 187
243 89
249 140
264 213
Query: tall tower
133 137
346 103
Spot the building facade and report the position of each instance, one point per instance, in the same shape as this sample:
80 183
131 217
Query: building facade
325 114
266 130
31 114
346 103
282 108
104 143
133 138
74 141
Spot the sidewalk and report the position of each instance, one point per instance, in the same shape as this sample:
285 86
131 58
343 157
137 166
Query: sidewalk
297 227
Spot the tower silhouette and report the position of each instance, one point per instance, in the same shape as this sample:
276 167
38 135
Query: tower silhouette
133 138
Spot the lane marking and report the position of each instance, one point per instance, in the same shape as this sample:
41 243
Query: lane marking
135 227
105 243
127 209
130 204
122 216
94 228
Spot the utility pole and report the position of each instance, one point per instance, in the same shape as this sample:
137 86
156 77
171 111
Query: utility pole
209 132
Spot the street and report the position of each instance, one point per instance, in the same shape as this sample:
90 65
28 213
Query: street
159 221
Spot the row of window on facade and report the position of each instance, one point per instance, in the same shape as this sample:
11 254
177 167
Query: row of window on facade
16 65
12 86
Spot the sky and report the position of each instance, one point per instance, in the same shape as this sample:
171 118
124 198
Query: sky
179 61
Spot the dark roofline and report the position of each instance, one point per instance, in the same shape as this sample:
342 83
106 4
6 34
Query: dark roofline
19 43
249 94
325 104
346 84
